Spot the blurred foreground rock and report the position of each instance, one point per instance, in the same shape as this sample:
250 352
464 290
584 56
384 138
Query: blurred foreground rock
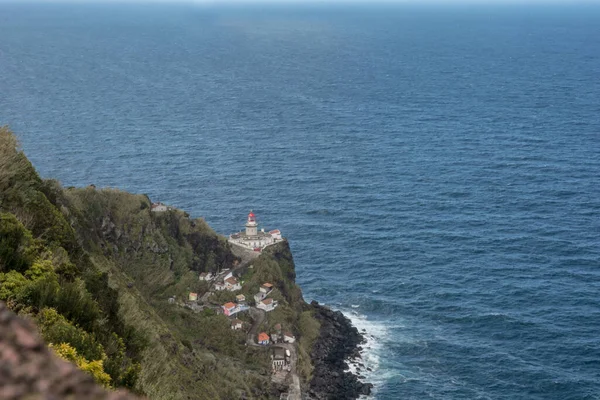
29 370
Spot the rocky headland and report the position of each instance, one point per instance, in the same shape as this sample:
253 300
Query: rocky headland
338 342
108 283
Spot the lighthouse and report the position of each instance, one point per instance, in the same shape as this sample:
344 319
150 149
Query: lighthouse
251 225
252 238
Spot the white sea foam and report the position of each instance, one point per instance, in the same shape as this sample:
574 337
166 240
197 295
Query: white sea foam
375 334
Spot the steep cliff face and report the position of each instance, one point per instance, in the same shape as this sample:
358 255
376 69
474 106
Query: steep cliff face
337 342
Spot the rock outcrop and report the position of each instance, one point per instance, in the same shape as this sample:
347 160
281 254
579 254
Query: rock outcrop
29 370
338 340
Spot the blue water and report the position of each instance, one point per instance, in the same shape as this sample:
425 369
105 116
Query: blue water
435 169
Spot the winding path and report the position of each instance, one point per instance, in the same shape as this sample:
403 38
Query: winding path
258 316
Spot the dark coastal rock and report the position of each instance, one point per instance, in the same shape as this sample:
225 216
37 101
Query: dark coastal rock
337 341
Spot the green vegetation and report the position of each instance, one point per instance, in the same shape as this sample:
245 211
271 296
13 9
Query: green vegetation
94 269
45 275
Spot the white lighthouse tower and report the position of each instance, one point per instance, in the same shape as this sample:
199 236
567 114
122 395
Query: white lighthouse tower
251 225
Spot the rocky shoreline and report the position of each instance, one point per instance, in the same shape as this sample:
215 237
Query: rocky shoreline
338 341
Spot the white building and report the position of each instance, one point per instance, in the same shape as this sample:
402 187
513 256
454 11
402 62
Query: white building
288 337
267 304
276 234
252 238
206 276
259 296
158 207
230 284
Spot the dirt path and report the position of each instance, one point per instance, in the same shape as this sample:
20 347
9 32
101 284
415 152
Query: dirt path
258 316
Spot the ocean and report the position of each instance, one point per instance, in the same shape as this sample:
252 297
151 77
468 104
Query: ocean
435 168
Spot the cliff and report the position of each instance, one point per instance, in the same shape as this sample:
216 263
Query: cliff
103 276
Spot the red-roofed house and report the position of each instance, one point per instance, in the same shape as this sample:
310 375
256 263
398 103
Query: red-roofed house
230 308
263 338
232 284
266 287
275 234
267 304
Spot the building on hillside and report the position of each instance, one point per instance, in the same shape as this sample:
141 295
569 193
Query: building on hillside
258 297
266 287
275 337
253 239
288 337
172 300
267 304
263 338
206 276
279 359
159 207
240 299
277 327
230 309
237 324
232 284
193 296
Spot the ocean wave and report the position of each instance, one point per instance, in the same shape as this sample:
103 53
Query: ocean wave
368 366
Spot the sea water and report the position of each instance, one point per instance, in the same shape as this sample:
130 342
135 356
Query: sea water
435 168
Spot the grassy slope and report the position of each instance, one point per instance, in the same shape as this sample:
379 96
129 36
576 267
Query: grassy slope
150 257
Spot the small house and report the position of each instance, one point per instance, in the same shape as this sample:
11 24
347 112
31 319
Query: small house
267 304
263 338
275 234
230 309
232 284
193 296
266 287
206 276
220 286
240 299
237 324
158 207
288 337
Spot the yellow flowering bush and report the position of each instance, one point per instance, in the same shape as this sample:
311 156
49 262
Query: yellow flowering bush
94 368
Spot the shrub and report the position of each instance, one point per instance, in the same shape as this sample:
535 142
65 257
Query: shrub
94 368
